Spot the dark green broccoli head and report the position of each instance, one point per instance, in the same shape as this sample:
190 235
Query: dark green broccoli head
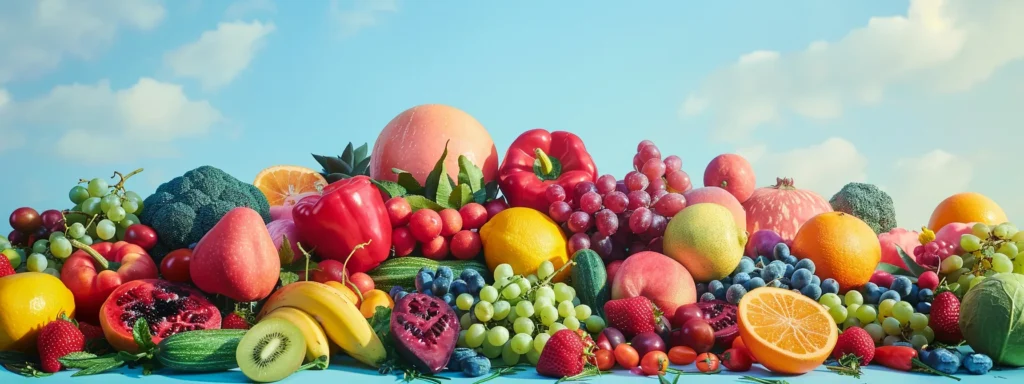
184 209
868 203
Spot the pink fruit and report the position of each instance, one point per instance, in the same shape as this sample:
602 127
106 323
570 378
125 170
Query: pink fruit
928 280
901 237
732 173
613 268
783 208
951 233
718 196
237 258
657 277
882 278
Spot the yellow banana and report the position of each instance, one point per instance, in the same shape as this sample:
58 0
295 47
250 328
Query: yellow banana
316 340
340 318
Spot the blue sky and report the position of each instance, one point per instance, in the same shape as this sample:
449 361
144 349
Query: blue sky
921 98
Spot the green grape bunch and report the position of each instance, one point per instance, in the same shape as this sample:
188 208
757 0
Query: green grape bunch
102 212
987 250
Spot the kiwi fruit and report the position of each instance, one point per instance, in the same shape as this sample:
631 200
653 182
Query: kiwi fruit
272 350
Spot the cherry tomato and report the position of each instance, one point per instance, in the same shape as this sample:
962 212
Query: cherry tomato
737 360
328 270
737 343
707 362
654 363
362 281
626 356
141 235
682 355
605 359
696 334
174 266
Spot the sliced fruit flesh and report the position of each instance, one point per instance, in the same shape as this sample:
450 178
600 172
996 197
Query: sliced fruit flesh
789 324
279 183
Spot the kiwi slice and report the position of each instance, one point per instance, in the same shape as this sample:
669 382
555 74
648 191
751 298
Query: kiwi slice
272 350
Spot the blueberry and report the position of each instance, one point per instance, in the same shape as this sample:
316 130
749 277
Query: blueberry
790 260
775 284
735 293
400 295
475 284
424 280
789 270
830 285
924 307
458 287
458 357
889 295
902 286
943 360
781 250
720 293
754 283
446 272
701 288
746 265
427 292
977 363
715 285
925 295
468 273
783 286
707 296
801 278
756 272
913 298
741 278
815 280
773 271
872 294
806 264
786 281
812 291
761 261
449 298
726 281
476 366
441 285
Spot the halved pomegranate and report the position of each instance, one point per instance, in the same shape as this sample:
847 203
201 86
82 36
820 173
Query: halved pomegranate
169 308
425 330
722 317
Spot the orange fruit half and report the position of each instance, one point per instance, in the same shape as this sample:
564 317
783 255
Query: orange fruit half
785 331
281 182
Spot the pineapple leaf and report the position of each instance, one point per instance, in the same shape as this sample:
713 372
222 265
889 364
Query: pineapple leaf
360 153
362 168
336 176
347 154
469 174
332 164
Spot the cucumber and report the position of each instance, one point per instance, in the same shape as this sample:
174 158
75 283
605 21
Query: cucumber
210 350
402 271
590 280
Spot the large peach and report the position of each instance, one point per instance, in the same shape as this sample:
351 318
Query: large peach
415 139
657 277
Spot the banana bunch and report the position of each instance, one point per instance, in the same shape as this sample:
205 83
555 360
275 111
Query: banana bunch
323 313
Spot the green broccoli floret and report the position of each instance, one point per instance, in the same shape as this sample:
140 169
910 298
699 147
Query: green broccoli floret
868 203
182 210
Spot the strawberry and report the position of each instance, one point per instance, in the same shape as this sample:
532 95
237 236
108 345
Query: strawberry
5 266
855 341
58 338
234 321
632 316
945 318
564 355
90 331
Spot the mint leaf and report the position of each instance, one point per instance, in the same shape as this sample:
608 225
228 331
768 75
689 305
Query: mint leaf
470 175
79 360
140 332
418 202
100 366
460 196
288 278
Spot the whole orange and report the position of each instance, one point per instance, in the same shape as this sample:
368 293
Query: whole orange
841 246
966 207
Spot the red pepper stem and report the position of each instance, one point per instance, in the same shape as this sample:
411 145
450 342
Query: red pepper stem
545 161
102 261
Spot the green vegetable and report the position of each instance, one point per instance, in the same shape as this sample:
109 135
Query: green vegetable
590 280
992 318
868 203
402 271
200 351
182 210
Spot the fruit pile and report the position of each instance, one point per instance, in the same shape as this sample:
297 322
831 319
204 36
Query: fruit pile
437 234
778 270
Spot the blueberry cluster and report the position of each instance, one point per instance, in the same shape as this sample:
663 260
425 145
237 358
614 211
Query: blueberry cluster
469 362
441 283
901 289
949 361
779 270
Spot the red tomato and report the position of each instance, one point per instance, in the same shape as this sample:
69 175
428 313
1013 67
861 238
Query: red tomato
328 270
737 343
605 359
362 281
654 363
737 360
174 266
682 355
707 362
626 356
141 235
696 334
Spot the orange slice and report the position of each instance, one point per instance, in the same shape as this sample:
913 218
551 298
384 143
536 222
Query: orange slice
280 182
785 331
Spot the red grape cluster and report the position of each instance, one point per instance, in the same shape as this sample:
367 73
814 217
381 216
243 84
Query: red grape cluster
616 218
934 252
29 225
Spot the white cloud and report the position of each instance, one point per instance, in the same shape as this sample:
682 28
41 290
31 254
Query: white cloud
823 168
245 8
359 15
36 35
143 120
940 45
922 182
220 55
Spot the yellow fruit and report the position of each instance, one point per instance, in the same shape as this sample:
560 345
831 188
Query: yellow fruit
317 344
29 301
841 246
283 182
706 240
524 238
966 207
786 332
373 299
348 292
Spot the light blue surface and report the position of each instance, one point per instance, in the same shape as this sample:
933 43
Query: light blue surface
347 371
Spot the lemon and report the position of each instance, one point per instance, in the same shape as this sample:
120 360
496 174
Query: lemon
29 301
524 238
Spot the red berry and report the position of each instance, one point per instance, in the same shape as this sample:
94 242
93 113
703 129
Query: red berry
883 279
473 216
451 222
945 318
855 341
399 211
928 280
234 321
402 240
495 206
425 225
436 249
362 281
57 339
465 245
5 266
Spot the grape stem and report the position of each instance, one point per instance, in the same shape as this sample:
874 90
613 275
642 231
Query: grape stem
120 184
99 259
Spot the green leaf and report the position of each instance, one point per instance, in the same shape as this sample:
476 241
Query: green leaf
912 265
26 369
470 175
492 190
407 181
480 196
421 202
381 321
437 177
360 153
127 357
348 156
390 188
288 278
99 367
286 253
460 196
332 164
893 269
79 360
140 332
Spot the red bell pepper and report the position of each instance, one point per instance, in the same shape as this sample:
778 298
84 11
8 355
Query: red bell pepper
350 212
93 272
539 158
